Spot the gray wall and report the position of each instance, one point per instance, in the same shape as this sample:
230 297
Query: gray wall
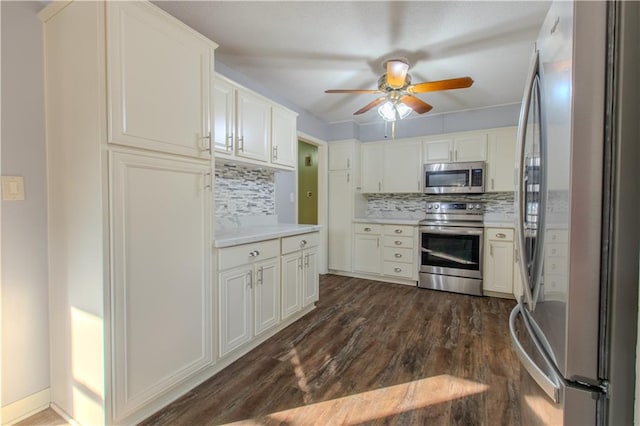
25 330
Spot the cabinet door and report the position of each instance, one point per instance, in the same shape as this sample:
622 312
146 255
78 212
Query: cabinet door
291 283
371 168
340 216
310 289
161 239
501 151
253 126
235 307
499 267
402 167
438 151
223 116
367 254
341 156
159 80
472 147
284 137
267 294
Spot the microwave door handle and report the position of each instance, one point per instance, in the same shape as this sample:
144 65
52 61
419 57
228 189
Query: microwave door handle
519 167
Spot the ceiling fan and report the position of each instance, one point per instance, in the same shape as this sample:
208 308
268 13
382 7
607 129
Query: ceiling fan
398 98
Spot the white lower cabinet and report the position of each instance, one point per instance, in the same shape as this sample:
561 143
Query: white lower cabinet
249 292
299 272
499 261
387 250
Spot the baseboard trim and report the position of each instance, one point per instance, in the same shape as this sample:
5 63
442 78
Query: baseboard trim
372 277
25 407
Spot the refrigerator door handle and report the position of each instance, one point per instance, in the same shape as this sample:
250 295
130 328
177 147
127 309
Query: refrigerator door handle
551 388
519 168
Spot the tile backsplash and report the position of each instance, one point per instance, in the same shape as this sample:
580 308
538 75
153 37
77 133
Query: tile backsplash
244 191
390 204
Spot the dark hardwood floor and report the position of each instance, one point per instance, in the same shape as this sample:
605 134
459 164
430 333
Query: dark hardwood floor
371 353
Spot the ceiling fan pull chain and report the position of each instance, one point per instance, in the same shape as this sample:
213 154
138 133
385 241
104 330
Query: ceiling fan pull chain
386 136
393 130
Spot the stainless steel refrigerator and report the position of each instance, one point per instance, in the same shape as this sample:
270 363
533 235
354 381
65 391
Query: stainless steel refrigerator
575 326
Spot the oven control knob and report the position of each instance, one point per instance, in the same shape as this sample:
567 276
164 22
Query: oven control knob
429 206
437 206
477 206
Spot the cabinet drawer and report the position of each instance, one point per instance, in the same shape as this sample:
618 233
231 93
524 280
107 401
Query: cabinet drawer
367 228
555 265
392 241
397 254
557 249
557 236
230 257
500 234
399 230
298 242
395 269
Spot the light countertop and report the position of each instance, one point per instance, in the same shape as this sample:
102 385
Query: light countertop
252 234
499 220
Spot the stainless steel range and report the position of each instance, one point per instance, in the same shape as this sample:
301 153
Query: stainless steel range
451 239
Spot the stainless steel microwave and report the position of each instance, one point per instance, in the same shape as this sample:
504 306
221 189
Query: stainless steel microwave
454 178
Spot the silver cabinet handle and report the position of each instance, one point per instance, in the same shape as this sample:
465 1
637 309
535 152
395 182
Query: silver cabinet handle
306 261
208 139
303 243
492 184
501 235
250 279
397 269
348 163
491 249
300 262
348 178
456 151
241 143
398 243
367 229
254 253
275 152
229 145
260 275
379 187
207 181
398 255
378 242
398 231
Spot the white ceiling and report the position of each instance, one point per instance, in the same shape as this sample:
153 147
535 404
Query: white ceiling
300 48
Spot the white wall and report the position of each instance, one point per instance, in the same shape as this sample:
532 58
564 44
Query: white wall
25 333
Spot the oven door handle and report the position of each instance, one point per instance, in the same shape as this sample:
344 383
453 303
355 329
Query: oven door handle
448 257
451 231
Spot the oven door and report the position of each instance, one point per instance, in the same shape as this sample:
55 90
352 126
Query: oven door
449 250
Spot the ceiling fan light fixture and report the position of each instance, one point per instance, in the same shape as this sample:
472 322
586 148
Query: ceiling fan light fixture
397 72
393 110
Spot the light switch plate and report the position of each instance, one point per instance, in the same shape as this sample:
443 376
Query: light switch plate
13 188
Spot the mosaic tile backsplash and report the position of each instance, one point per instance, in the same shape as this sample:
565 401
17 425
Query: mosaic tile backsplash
243 191
389 204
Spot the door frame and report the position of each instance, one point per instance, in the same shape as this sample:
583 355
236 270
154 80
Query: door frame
323 185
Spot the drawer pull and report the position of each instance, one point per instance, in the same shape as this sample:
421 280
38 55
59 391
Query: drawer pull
501 235
367 229
398 231
398 243
254 253
398 255
397 269
303 243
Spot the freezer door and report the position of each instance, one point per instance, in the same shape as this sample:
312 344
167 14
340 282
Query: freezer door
545 399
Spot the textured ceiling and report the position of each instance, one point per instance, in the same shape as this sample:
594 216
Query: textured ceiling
300 48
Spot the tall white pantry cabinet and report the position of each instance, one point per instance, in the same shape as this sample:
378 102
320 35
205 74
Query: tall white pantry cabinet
128 105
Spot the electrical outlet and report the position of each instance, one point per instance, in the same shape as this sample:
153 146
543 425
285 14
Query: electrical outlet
13 188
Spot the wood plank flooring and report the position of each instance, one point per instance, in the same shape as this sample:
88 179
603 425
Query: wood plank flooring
371 353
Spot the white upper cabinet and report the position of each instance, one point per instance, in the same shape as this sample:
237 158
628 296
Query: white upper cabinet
341 155
224 106
438 150
456 147
284 137
253 125
402 165
159 81
501 151
251 129
371 161
470 147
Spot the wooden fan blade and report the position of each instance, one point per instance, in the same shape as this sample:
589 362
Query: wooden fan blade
370 105
416 104
396 73
434 86
352 91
